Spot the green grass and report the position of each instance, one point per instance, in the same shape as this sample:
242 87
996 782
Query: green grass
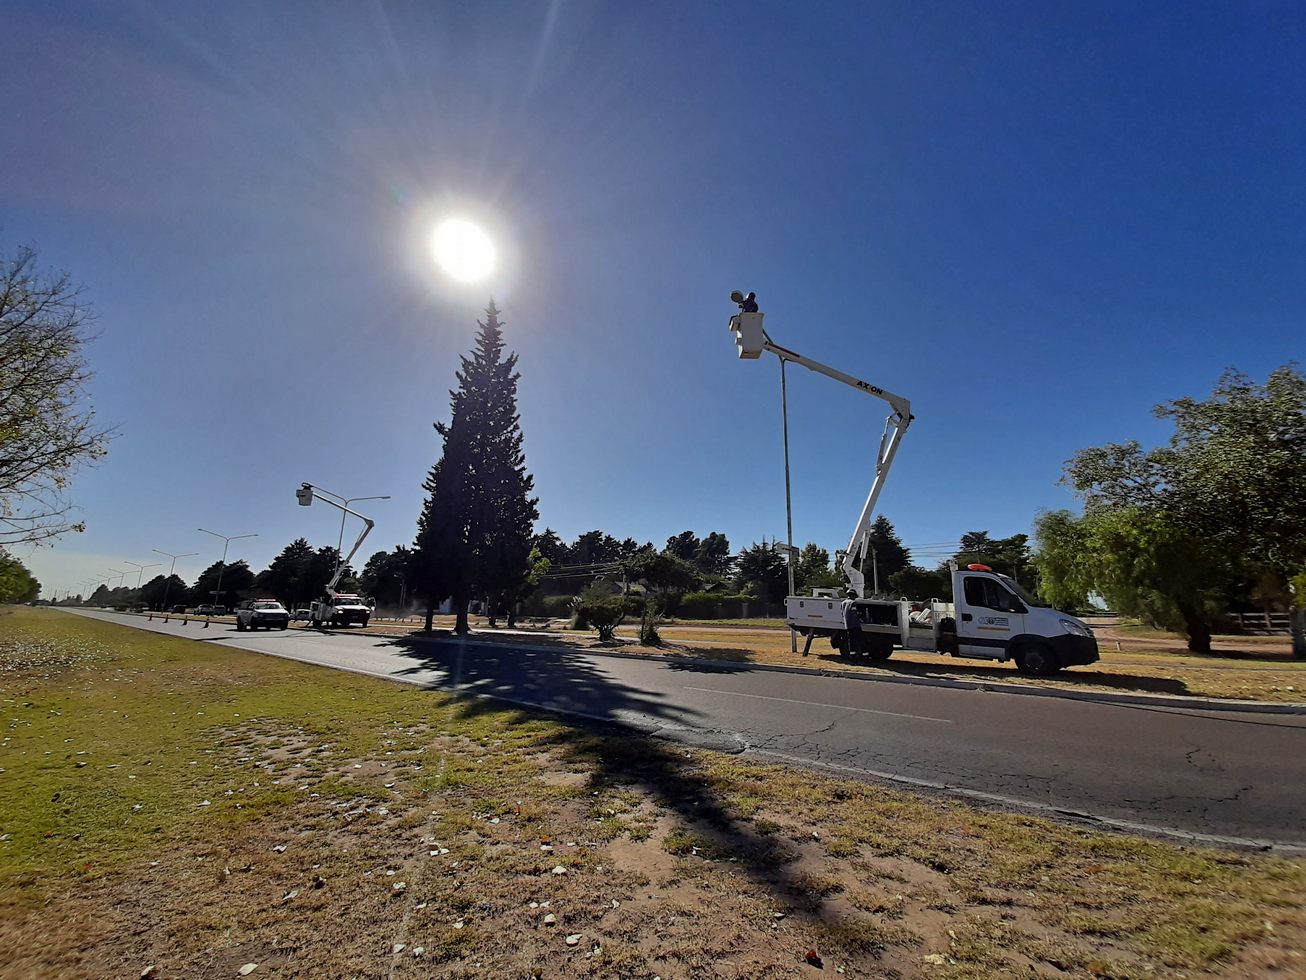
113 739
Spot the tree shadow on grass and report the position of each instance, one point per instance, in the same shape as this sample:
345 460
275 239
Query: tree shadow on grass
483 677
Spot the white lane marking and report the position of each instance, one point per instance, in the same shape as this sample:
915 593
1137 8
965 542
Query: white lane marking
819 704
1053 811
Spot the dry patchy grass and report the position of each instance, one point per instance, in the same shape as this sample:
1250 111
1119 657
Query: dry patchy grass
355 827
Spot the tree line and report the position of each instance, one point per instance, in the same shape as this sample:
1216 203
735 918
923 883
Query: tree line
1214 520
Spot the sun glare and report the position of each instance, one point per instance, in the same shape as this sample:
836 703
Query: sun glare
463 250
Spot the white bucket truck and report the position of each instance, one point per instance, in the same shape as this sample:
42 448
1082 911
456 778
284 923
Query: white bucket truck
337 608
990 617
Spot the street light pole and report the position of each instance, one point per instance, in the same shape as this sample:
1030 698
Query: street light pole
340 541
226 542
167 585
140 568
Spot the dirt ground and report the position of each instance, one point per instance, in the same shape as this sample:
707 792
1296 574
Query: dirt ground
171 809
577 876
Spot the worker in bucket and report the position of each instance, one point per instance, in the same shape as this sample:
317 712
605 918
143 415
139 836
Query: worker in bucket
747 304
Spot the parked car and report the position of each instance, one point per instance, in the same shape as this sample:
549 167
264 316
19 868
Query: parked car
253 614
207 610
179 608
303 615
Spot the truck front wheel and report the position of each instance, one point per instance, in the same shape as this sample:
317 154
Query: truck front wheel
1037 659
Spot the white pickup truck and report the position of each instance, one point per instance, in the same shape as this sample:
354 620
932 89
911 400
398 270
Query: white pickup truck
991 618
339 610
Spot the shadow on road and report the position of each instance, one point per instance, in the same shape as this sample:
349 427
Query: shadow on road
567 680
728 658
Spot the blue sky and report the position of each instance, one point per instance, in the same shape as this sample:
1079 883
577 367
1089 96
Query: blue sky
1033 220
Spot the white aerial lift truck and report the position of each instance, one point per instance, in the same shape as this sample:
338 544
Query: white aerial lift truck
990 617
336 608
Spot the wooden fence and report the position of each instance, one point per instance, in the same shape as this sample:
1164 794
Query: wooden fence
1260 622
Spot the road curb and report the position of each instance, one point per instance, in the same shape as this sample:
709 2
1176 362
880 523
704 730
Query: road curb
1102 697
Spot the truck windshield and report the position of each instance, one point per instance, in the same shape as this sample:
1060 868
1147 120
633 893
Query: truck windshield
348 600
1025 597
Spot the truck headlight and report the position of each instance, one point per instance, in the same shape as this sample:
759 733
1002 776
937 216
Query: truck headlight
1070 626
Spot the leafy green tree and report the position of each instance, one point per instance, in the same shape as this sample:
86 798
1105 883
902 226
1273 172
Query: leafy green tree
17 584
162 587
1172 532
236 580
975 544
286 578
885 553
664 575
47 430
1143 562
551 547
385 577
684 546
713 557
761 569
477 524
594 548
812 570
914 582
599 607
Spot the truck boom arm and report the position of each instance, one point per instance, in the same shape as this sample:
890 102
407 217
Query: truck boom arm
894 427
311 492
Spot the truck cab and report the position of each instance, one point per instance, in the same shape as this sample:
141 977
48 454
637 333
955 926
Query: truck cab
991 617
339 610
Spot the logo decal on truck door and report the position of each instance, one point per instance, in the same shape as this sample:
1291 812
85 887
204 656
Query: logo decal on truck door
994 622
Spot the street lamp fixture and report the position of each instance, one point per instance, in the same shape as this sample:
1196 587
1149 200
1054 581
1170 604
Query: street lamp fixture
226 543
140 568
167 585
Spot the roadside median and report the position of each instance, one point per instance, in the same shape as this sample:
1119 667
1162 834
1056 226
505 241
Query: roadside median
174 808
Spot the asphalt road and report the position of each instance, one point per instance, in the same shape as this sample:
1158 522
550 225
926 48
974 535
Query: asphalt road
1213 776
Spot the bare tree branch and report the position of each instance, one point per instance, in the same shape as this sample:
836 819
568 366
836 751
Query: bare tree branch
47 428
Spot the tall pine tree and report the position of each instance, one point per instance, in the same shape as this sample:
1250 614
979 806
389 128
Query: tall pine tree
889 556
475 532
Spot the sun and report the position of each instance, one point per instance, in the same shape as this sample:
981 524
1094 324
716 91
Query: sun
463 250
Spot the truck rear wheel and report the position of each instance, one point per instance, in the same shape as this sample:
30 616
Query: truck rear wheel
1037 659
879 652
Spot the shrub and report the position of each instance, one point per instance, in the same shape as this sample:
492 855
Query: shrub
716 605
648 625
601 610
